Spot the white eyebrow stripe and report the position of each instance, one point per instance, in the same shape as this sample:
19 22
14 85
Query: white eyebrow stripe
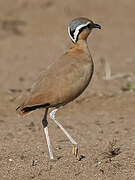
70 35
77 30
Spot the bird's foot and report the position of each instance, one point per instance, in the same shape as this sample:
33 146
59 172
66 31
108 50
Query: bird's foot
75 151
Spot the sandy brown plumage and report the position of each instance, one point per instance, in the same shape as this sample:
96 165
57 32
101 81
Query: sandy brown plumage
63 81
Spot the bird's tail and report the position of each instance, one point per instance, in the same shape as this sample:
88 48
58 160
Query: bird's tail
20 110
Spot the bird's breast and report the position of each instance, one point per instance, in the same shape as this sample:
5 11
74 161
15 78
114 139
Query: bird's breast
76 78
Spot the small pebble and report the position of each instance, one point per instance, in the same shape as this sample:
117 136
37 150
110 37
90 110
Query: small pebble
34 162
10 160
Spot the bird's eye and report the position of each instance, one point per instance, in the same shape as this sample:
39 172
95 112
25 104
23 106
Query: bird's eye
89 26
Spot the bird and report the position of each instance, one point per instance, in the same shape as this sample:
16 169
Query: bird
64 80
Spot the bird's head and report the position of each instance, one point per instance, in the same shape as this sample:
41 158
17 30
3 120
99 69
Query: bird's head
80 28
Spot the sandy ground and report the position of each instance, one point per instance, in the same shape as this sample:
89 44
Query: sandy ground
33 34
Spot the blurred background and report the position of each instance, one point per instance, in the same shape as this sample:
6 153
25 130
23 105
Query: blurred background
33 34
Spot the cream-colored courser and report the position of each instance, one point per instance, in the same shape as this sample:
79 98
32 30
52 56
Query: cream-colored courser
64 80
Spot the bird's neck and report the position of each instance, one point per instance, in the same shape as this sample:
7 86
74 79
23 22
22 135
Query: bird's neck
81 46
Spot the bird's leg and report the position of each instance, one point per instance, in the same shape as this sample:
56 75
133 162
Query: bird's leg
75 146
45 126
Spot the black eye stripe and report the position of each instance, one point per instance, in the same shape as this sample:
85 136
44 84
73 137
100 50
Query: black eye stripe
81 29
72 33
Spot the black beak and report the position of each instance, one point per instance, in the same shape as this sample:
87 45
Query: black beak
96 26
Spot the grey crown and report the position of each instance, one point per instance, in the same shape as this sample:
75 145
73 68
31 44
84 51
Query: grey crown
76 22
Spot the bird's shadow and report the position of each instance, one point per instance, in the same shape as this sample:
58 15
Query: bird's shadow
60 157
82 157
